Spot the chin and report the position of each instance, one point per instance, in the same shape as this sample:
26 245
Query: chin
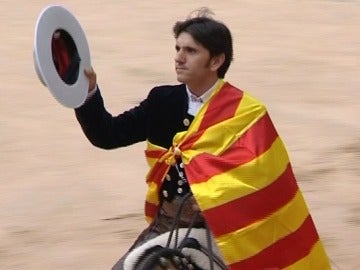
181 79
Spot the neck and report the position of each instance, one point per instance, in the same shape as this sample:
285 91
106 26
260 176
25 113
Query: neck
199 88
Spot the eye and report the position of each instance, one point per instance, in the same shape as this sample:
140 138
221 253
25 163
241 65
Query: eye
177 48
191 50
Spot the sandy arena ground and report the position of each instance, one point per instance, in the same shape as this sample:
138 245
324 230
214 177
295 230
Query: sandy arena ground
66 205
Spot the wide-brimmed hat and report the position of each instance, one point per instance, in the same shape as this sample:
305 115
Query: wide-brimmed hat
61 53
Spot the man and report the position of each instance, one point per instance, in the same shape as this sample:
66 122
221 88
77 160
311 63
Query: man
214 153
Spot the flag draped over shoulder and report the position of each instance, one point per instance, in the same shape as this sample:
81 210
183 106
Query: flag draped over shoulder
240 174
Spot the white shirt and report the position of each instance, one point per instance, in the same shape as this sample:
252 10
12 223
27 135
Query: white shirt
195 102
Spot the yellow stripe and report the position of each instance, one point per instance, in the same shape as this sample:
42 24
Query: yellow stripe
243 180
151 161
194 127
149 219
151 147
152 193
247 242
315 260
248 111
213 140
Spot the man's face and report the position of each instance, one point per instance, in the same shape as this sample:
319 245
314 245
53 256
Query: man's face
192 61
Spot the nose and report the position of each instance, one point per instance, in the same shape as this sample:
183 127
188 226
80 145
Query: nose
179 57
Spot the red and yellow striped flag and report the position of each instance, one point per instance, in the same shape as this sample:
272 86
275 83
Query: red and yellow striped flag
240 174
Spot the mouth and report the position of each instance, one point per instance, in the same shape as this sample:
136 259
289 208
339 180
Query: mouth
180 68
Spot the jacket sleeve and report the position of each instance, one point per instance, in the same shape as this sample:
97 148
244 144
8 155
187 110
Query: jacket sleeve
108 132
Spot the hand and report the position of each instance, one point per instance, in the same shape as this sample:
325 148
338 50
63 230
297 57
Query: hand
91 75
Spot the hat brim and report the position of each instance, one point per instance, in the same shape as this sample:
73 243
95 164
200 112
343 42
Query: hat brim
50 20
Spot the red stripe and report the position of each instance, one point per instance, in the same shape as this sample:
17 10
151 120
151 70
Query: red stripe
241 212
157 173
150 209
253 143
226 102
191 140
284 252
228 99
154 153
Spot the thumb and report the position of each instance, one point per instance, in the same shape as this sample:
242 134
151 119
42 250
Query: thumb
91 75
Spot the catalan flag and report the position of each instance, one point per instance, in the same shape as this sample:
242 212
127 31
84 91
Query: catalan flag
240 174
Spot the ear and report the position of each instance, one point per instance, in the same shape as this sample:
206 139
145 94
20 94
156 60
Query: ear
217 61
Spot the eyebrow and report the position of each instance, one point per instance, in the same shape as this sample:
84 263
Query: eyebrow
187 48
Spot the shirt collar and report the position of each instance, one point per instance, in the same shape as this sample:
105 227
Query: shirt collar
204 97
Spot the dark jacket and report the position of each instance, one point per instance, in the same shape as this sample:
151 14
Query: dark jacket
157 118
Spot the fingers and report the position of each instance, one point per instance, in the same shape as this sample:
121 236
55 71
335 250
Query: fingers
174 263
91 75
89 72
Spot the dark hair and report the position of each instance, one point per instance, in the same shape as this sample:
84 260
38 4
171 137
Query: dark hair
213 35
